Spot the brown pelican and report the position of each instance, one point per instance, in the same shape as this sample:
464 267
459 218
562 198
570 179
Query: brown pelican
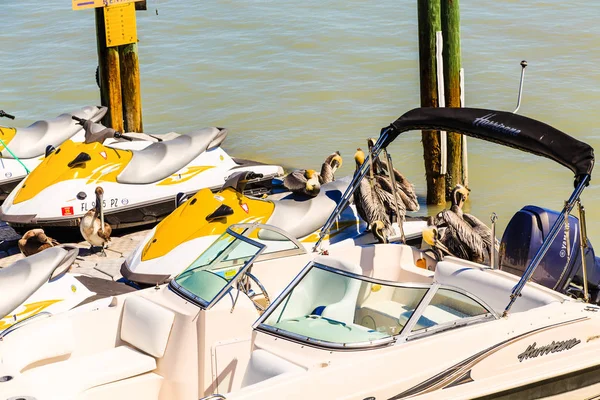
459 237
93 229
34 241
405 191
308 182
370 200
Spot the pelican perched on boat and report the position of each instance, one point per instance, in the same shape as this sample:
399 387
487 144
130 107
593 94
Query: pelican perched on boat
370 200
34 241
464 235
405 191
308 182
93 229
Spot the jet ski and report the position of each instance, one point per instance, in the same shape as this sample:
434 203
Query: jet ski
140 175
198 222
22 149
40 285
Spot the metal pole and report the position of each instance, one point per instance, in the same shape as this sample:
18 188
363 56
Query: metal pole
583 244
523 66
400 220
493 260
546 244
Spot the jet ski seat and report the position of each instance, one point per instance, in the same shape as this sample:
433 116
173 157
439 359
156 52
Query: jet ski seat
32 141
301 216
21 279
162 159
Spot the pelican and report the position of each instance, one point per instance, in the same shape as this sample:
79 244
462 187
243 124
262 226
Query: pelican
308 182
460 238
95 231
405 191
331 164
34 241
370 200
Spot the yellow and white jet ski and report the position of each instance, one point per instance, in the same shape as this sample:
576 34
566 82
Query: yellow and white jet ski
23 149
140 178
40 285
198 222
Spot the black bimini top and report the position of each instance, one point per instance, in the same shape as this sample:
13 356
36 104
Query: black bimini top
501 127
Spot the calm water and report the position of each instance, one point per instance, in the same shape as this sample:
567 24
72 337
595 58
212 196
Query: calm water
294 81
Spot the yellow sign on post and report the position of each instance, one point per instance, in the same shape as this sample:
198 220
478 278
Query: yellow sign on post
119 20
83 4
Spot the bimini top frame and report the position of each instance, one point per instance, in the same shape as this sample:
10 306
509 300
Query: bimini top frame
500 127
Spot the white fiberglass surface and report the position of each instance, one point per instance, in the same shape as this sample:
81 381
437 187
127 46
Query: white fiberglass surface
216 266
338 308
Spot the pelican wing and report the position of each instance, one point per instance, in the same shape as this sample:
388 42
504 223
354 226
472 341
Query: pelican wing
459 228
483 230
384 191
369 205
106 234
295 181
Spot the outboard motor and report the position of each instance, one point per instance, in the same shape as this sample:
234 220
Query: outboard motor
523 237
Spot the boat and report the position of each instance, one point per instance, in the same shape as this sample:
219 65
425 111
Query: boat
371 321
141 177
175 242
23 149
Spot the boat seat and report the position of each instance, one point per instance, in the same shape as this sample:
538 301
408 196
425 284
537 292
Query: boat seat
301 216
492 286
162 159
22 278
264 365
145 327
32 141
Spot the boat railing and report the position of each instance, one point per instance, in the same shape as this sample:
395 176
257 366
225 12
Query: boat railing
214 397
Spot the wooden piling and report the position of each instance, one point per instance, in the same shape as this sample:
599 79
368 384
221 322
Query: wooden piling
130 84
429 24
450 20
110 77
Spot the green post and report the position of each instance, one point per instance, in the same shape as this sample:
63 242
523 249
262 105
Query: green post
450 18
429 24
110 76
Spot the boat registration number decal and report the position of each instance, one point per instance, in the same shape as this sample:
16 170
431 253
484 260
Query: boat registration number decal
106 203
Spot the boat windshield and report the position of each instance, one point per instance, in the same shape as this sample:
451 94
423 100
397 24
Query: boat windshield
333 308
209 277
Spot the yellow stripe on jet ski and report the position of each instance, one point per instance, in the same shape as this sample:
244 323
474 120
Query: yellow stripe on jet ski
30 309
55 168
185 176
189 222
338 228
7 134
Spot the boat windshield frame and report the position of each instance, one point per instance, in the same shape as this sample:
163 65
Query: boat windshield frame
247 229
406 334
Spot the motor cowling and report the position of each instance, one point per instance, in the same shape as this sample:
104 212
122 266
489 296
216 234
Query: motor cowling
560 269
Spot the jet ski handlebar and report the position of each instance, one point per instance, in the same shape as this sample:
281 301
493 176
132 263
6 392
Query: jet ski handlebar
113 133
5 114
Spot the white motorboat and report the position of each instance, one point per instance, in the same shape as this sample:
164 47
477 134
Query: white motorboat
382 321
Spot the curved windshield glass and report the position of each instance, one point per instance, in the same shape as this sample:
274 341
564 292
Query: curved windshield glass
333 308
211 273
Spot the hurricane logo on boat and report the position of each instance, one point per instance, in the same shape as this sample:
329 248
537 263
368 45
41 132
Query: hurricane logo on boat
554 347
495 126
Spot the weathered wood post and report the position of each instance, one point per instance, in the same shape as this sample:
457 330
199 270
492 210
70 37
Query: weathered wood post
429 24
450 19
130 84
110 76
118 65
